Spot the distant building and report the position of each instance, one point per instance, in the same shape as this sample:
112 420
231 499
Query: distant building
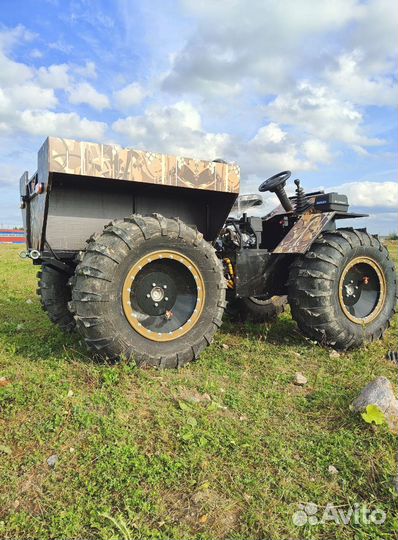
12 236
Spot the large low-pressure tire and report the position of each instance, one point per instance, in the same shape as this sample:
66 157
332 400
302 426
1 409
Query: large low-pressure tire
256 310
55 293
149 288
342 292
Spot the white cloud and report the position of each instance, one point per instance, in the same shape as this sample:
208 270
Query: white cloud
317 151
350 80
32 96
129 96
376 35
175 129
35 53
27 97
314 58
23 97
262 41
55 76
271 133
319 112
84 93
13 72
10 36
88 71
61 46
271 150
46 123
370 194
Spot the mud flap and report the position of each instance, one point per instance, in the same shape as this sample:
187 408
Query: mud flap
304 232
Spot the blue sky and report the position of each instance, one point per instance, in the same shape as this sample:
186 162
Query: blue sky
299 84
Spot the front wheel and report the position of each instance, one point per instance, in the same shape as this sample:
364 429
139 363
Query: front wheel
151 289
342 292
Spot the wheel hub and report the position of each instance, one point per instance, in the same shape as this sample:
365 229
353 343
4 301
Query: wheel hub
163 295
362 290
154 291
157 293
349 290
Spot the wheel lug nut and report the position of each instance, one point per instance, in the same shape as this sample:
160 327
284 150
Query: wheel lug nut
148 295
164 286
156 304
166 298
153 284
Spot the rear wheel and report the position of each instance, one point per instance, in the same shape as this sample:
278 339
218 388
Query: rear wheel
150 288
342 292
256 310
55 293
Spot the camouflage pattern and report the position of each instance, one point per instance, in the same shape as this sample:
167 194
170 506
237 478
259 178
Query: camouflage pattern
117 163
304 232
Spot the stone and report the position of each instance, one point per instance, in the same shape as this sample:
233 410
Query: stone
332 469
379 392
52 461
29 301
334 354
300 379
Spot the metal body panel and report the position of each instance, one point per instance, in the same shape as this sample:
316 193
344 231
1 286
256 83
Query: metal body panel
250 268
79 207
304 232
38 202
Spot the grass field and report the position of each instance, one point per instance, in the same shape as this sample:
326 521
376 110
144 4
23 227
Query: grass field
225 448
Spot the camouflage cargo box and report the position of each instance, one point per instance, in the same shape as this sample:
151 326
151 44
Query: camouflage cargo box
80 186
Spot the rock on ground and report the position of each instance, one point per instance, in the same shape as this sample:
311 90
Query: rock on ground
379 392
300 379
332 469
52 460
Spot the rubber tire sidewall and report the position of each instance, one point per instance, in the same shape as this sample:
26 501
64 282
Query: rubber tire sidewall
363 332
114 317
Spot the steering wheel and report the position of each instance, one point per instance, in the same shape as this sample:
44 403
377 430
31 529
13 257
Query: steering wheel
275 182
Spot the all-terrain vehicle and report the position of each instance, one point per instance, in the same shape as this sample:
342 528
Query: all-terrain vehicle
138 282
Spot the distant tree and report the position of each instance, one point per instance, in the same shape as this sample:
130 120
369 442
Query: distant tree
392 236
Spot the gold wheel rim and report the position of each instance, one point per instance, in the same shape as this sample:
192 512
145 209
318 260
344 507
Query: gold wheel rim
382 296
128 293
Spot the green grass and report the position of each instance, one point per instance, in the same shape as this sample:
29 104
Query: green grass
225 448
